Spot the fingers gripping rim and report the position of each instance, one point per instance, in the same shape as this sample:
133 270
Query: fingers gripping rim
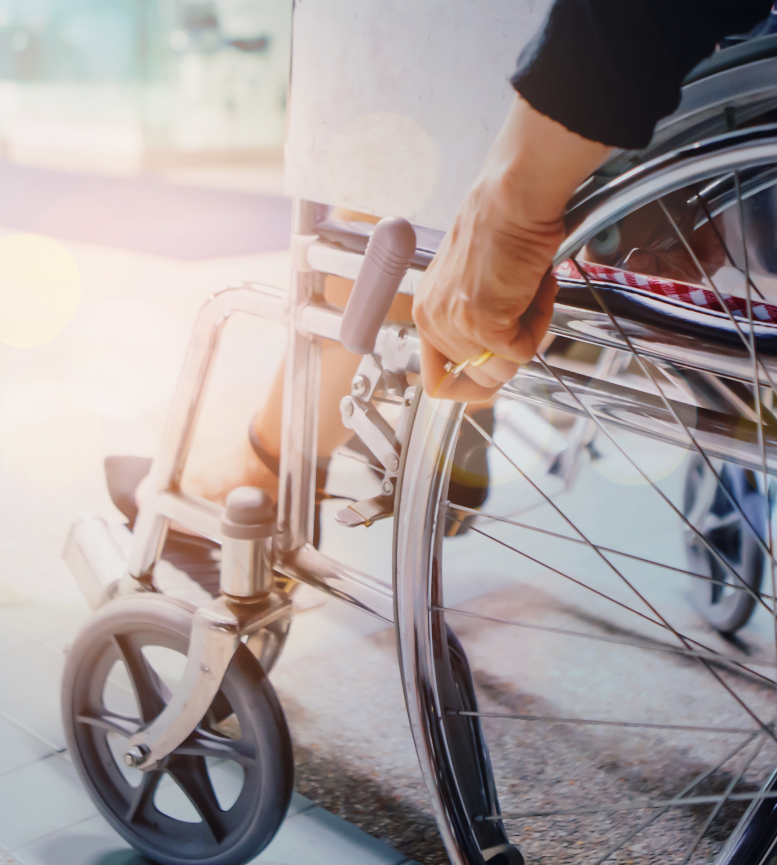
244 729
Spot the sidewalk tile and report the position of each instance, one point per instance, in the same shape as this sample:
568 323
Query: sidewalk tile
41 716
317 837
39 799
20 748
53 625
332 841
90 842
27 668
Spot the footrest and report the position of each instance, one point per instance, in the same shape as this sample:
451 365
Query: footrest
366 512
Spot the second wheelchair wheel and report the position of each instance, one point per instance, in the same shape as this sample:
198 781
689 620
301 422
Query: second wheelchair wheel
220 797
723 599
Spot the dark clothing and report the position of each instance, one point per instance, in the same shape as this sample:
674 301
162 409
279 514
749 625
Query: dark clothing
610 69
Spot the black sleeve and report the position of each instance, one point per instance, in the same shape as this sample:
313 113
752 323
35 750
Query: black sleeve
610 69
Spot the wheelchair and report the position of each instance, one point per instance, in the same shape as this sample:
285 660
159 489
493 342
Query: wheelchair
565 699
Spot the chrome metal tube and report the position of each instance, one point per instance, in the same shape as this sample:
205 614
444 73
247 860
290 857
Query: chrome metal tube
299 422
720 358
244 569
727 437
308 565
152 522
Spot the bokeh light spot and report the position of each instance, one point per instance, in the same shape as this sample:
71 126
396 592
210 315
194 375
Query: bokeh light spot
40 287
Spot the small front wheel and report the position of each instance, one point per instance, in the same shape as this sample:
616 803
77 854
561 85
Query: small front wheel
220 797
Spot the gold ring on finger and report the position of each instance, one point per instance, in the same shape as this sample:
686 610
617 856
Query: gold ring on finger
479 361
455 368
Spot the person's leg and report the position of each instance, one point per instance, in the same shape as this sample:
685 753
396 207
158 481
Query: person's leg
338 367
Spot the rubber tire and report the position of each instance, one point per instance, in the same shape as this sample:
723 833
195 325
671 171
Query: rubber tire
734 611
250 694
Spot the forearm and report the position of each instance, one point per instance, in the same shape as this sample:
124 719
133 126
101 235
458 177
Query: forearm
534 167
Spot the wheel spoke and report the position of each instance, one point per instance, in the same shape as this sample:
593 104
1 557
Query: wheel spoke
718 296
191 775
647 372
111 723
203 744
687 641
759 408
722 241
485 515
552 719
146 684
684 802
748 343
650 645
726 797
701 777
143 795
661 621
695 446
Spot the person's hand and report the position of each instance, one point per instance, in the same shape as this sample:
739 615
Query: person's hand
489 287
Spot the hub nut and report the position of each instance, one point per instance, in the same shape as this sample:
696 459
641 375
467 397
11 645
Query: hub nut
360 386
135 756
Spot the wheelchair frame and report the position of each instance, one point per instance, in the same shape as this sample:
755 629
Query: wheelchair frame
309 321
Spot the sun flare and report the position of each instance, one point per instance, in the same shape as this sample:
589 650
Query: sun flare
40 287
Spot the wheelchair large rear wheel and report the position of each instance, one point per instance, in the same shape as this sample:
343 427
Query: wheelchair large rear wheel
566 698
220 797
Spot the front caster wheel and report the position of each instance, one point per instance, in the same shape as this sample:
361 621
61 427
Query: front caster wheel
220 797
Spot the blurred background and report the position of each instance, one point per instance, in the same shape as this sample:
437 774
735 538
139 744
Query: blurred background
141 169
131 85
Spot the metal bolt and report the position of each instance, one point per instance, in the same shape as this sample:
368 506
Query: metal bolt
360 386
205 668
392 462
346 406
388 488
135 756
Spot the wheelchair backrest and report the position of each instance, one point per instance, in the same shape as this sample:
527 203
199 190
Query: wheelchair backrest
393 106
